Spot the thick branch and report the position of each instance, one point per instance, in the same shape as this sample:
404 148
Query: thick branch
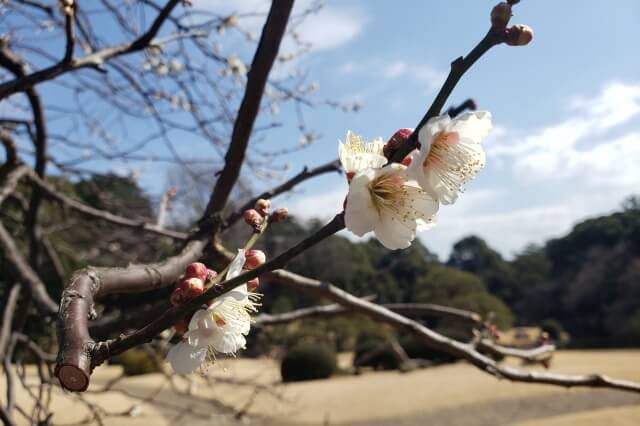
263 60
76 306
79 354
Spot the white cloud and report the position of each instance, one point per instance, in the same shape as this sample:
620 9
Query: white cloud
331 27
581 146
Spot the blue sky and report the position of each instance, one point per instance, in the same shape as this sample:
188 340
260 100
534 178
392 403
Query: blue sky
566 108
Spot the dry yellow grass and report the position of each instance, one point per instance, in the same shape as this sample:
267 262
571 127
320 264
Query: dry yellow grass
622 416
448 395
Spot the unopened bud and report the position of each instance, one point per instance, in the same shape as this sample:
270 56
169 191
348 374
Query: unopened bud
280 214
254 258
252 284
253 218
191 287
196 270
519 35
263 206
500 16
398 138
211 275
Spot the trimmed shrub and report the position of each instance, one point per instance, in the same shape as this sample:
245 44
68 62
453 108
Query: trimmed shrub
308 361
415 349
383 359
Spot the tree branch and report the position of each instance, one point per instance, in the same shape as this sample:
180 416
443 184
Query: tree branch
266 53
79 354
11 180
96 59
25 274
458 68
11 301
405 309
444 344
306 173
92 212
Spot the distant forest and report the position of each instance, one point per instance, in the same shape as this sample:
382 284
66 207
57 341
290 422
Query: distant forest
586 283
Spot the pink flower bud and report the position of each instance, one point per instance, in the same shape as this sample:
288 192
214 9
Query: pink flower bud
211 275
519 35
500 16
263 206
196 270
280 214
254 258
252 284
191 287
253 218
177 297
398 138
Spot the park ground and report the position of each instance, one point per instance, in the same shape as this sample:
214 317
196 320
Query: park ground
450 395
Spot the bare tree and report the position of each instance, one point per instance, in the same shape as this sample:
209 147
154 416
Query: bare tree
131 80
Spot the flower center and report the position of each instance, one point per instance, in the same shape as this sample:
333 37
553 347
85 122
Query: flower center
440 147
387 192
355 145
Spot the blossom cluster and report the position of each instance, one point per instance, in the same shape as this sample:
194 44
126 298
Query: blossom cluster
221 327
395 200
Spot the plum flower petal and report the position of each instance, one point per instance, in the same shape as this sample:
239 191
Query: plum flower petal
388 203
221 328
450 154
185 358
356 154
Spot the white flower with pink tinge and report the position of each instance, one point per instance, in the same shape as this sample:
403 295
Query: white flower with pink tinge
357 154
221 328
450 154
389 203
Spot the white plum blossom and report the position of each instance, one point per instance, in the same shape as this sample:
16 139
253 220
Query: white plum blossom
221 328
450 154
387 202
356 154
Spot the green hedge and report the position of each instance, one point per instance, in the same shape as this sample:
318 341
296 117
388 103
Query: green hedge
308 361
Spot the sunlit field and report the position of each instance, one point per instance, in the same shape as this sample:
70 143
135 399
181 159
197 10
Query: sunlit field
455 394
